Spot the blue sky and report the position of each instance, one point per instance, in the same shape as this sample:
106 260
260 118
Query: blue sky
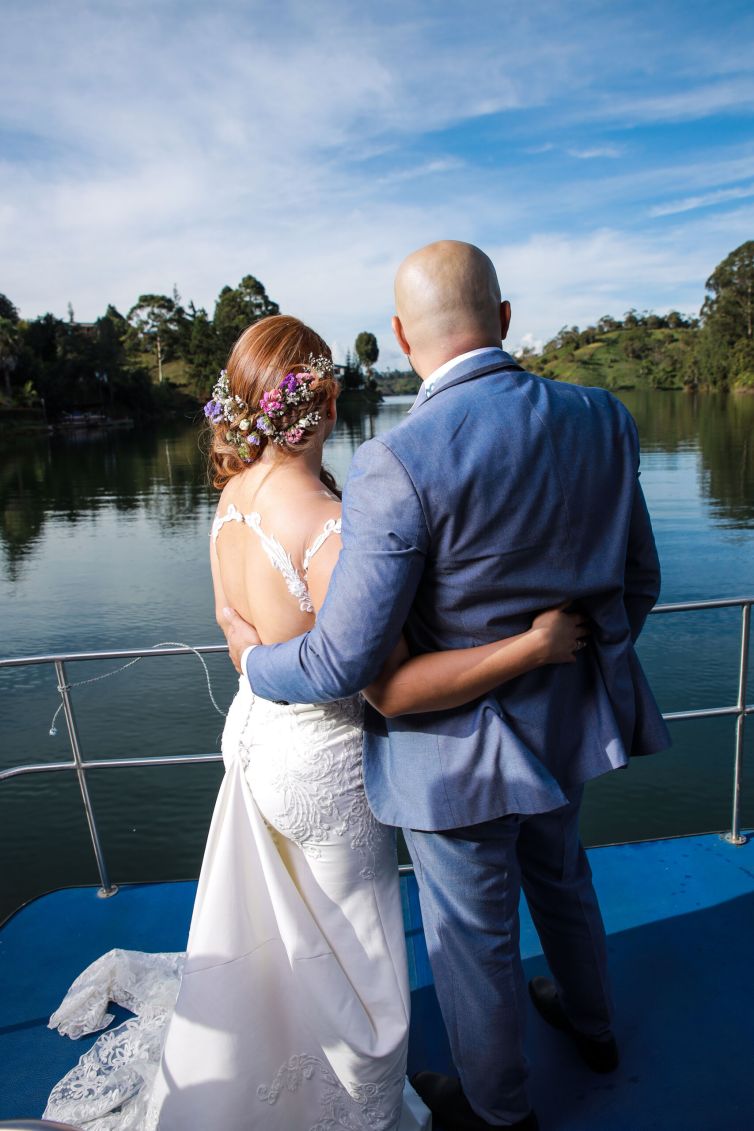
601 153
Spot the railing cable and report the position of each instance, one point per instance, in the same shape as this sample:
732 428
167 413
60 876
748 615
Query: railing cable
130 664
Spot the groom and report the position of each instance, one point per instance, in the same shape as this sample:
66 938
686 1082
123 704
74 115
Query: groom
502 494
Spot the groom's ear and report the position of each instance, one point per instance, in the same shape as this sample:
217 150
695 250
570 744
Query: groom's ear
505 319
400 337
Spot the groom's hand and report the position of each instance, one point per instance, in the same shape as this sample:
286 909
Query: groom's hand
240 636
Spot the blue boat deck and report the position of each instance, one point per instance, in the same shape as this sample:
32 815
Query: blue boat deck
680 918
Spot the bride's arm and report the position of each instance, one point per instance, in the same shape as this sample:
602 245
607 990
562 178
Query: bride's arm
437 681
219 593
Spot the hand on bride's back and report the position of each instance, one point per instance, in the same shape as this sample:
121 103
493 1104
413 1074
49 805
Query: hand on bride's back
561 635
239 634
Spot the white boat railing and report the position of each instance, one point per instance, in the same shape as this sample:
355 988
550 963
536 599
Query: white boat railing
80 766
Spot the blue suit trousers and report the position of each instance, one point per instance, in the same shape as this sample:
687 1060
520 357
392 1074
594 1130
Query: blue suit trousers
470 881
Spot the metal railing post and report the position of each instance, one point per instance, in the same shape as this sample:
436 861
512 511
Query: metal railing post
735 836
106 888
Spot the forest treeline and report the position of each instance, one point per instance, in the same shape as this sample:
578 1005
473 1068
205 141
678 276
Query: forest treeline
161 354
163 350
139 361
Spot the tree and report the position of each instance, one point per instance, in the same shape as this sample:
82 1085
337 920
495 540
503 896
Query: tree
607 323
742 363
675 320
708 362
352 378
634 343
109 349
153 318
728 310
9 350
367 350
236 309
7 309
203 352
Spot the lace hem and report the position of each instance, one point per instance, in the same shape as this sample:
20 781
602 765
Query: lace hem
108 1090
361 1107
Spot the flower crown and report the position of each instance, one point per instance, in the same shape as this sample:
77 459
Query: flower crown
273 419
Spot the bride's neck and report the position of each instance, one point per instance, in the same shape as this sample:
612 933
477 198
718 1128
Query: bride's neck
307 465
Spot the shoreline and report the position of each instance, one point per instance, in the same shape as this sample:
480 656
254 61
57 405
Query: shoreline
17 421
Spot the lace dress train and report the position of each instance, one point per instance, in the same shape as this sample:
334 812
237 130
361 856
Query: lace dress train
290 1012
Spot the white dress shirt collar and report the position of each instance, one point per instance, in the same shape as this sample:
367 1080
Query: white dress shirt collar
437 374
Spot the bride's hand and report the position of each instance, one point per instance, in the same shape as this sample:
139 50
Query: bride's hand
561 635
240 635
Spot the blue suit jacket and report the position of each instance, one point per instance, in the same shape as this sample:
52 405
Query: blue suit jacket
501 495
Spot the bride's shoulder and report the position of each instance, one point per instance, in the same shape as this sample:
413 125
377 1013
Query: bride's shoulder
295 513
311 514
229 500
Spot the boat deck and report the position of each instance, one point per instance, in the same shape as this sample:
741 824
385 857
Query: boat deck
680 918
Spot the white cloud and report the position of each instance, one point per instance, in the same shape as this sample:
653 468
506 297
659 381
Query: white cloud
553 279
528 342
706 200
596 151
700 100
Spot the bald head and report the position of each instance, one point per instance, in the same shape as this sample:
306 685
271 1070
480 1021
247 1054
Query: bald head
447 301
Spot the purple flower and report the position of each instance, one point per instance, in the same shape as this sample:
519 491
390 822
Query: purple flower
213 411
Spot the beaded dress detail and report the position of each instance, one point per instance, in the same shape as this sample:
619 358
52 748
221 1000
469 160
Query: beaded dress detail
289 1010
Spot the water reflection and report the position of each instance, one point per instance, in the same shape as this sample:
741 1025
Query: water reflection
357 424
160 473
720 428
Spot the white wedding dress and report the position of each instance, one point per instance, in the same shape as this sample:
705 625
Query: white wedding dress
289 1011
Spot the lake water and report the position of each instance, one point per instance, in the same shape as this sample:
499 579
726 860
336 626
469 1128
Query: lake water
104 546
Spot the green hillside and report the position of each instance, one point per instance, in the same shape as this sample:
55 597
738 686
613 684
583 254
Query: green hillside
621 358
666 351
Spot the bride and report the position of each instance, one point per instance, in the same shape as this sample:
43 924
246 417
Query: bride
290 1010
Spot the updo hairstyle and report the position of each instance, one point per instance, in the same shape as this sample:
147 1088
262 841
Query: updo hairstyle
264 354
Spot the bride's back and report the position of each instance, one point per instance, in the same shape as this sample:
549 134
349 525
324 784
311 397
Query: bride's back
268 521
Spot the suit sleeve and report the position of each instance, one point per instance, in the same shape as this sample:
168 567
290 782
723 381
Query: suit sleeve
385 542
641 586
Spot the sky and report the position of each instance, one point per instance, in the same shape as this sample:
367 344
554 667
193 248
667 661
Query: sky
602 153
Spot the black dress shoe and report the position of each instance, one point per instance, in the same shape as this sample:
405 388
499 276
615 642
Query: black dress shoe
599 1053
444 1097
